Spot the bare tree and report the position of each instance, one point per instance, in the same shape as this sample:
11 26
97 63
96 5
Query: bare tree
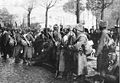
75 7
6 17
99 5
77 11
47 4
29 5
116 15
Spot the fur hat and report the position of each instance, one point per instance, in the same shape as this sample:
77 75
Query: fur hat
79 27
103 23
55 26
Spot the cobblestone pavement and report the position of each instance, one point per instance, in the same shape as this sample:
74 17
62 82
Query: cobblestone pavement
14 73
18 73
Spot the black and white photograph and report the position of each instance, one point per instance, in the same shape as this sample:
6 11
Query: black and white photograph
59 41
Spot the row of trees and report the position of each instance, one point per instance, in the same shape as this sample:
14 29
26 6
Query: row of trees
115 13
98 8
73 6
99 5
7 19
93 5
32 4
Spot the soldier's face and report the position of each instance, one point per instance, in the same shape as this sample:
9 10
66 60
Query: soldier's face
74 30
111 32
91 31
43 36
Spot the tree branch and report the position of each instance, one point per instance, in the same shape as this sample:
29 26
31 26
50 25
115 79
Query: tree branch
49 3
29 6
33 6
108 4
25 8
50 6
42 5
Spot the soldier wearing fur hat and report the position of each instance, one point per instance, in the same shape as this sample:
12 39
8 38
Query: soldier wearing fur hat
78 47
103 50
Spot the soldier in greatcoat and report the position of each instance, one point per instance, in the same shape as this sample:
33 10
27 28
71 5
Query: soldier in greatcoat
80 52
68 53
28 49
103 50
56 38
17 46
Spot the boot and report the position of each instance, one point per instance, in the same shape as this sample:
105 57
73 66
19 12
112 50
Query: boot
60 75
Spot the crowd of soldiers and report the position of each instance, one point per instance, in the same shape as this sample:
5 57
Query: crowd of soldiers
66 49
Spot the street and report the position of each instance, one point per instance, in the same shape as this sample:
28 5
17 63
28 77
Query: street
14 73
59 41
19 73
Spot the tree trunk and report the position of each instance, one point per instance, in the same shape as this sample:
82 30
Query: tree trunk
117 21
46 18
102 10
97 23
29 19
102 14
77 11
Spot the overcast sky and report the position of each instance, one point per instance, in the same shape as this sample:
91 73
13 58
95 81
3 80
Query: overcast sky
14 7
56 14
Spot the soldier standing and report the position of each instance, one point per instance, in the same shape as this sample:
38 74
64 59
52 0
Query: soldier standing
69 39
103 50
28 49
18 46
79 48
56 37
